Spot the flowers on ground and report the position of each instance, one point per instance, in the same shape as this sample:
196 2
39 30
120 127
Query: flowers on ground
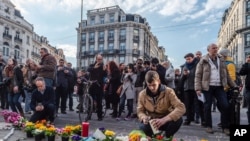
15 118
136 135
65 132
76 129
50 131
29 126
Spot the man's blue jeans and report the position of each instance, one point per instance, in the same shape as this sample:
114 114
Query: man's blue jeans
27 100
221 97
170 128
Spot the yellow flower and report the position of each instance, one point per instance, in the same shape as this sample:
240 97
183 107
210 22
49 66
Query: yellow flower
109 133
204 140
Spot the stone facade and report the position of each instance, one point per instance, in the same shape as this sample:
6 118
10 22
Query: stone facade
17 37
117 36
234 32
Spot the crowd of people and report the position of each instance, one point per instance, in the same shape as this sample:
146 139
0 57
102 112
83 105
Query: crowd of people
155 92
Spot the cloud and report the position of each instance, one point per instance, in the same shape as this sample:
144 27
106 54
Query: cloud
68 50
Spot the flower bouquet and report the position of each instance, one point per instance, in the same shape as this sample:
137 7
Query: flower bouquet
136 135
103 134
160 137
77 129
28 128
15 118
50 132
76 138
65 132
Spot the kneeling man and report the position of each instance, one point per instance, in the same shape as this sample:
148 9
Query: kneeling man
159 105
42 102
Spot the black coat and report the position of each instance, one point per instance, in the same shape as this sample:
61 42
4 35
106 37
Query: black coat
245 70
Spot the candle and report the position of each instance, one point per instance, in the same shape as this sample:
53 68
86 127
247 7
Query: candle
85 129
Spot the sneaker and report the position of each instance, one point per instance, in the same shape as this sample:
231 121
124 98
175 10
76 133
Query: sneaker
127 118
226 131
71 109
219 125
118 118
209 130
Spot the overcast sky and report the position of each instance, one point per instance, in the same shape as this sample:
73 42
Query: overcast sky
181 26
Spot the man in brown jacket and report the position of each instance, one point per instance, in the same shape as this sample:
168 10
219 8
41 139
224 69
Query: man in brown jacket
160 106
47 67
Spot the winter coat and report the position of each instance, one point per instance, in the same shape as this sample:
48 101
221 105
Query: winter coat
48 67
245 70
169 77
203 72
128 87
167 103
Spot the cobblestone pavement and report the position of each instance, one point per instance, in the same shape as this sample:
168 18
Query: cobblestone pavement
194 132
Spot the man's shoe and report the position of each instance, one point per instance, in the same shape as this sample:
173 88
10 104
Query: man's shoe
219 125
99 119
79 111
63 112
71 109
186 123
209 130
197 121
226 131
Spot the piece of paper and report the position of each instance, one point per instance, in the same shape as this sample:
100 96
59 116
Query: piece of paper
201 97
155 131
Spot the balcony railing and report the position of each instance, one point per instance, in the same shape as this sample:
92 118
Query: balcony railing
35 54
110 38
17 39
101 39
136 38
136 52
122 51
122 37
7 36
91 40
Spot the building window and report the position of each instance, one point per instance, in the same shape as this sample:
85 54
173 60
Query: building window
83 37
123 18
102 19
136 19
28 40
91 48
92 36
122 32
122 46
91 60
6 50
27 53
111 18
110 58
101 47
18 35
6 31
92 21
84 23
248 20
111 46
17 52
136 32
111 34
83 48
248 6
135 46
247 40
101 35
122 59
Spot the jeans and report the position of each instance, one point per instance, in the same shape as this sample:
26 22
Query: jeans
14 103
247 96
170 128
27 100
48 82
221 97
47 113
130 106
121 104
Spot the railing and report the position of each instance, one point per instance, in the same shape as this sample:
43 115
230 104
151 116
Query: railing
7 36
17 39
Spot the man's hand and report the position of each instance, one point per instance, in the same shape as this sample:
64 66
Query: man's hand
39 108
145 120
157 123
198 93
15 89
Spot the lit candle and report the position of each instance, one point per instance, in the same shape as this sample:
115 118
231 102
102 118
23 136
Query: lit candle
85 129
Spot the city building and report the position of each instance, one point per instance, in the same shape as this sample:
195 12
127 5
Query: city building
117 36
234 32
17 37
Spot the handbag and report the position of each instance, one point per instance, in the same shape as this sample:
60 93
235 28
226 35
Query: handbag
119 90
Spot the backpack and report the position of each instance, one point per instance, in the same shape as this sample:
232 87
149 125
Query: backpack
238 80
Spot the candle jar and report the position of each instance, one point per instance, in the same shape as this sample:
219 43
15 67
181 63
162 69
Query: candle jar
85 129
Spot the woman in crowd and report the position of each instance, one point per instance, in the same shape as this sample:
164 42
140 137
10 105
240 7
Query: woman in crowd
113 80
128 92
15 75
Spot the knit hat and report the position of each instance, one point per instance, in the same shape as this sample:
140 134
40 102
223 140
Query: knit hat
224 52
